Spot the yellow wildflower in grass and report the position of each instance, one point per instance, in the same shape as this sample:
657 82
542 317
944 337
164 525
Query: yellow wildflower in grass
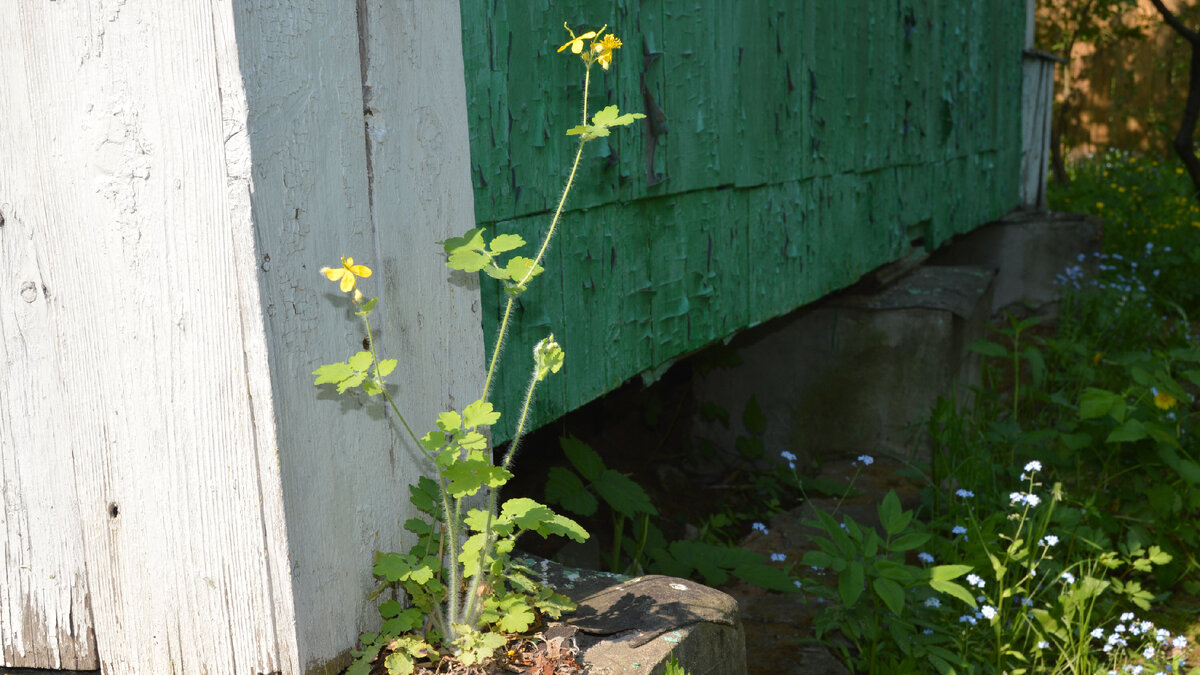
347 275
1163 400
1099 206
1096 358
604 49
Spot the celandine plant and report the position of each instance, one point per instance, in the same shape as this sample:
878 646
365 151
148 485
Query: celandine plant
465 592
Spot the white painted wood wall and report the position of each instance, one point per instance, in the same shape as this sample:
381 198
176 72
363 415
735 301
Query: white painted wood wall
177 497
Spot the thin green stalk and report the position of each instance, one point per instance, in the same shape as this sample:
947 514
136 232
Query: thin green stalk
503 332
375 366
484 575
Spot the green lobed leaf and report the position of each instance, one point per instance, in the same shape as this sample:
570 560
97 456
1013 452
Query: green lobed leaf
361 361
623 495
518 267
473 239
391 566
332 373
479 414
585 460
433 441
398 663
564 487
449 422
468 476
505 242
385 367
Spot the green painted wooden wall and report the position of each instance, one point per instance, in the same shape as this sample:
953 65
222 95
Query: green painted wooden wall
791 146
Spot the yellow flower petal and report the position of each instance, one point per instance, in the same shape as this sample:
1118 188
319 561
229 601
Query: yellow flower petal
360 270
1164 400
348 283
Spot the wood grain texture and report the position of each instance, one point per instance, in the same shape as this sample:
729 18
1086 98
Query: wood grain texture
857 126
45 613
124 197
173 177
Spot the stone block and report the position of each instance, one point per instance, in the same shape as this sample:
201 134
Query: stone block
1028 250
632 625
858 373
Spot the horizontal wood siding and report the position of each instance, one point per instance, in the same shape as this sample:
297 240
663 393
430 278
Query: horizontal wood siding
790 147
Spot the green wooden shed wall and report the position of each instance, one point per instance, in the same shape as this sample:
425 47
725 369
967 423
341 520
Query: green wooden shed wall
789 148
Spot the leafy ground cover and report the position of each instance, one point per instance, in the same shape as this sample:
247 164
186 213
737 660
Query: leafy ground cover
1056 525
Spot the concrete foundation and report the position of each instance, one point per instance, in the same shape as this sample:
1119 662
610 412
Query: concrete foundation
1028 250
856 374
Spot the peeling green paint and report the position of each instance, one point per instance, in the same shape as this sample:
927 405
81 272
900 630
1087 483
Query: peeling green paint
789 148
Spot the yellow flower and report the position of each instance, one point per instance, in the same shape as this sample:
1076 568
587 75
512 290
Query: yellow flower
1163 400
348 275
576 43
604 49
1099 206
1096 358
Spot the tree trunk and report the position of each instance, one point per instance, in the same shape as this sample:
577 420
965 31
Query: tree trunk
1185 139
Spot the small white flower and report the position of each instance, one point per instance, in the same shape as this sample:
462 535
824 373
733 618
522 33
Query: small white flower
988 612
1162 635
1068 577
1098 633
1179 642
965 494
760 527
927 631
1032 500
867 460
1048 540
967 618
933 602
1127 616
925 557
1033 466
958 529
1015 497
1148 653
1042 644
778 557
975 580
797 584
788 456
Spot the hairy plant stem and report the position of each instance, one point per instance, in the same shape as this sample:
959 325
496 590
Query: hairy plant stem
483 575
503 332
375 367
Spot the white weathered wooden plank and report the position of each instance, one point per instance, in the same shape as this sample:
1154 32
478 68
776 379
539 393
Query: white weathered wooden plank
419 158
1037 92
128 206
45 618
345 474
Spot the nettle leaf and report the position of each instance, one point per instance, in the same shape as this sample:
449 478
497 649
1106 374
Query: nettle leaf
505 242
563 526
479 414
467 476
623 495
586 460
564 487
